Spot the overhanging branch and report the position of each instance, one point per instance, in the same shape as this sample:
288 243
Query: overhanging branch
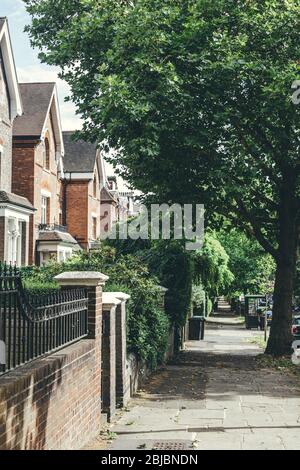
262 240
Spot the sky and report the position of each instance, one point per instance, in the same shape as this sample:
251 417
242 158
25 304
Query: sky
30 69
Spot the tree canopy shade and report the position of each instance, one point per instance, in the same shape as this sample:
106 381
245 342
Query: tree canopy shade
195 96
253 268
212 267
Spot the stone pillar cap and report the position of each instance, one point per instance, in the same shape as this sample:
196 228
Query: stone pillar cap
109 299
81 278
162 289
122 295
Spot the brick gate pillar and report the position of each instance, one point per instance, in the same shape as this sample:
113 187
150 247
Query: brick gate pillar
93 282
122 380
109 305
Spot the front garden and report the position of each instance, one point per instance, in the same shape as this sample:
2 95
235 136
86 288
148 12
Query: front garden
193 280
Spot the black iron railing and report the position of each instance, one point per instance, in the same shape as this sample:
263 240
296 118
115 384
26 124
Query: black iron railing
33 326
52 227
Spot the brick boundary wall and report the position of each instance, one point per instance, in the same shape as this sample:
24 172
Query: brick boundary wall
122 389
137 372
108 383
52 403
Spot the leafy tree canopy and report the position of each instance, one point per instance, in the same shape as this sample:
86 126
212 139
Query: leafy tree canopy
211 267
195 96
253 268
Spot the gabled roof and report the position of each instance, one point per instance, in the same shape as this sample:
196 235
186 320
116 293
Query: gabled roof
36 98
2 22
39 101
107 196
80 156
10 69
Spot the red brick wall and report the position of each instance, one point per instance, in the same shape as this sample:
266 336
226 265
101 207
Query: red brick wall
23 171
77 210
23 179
30 178
54 402
94 205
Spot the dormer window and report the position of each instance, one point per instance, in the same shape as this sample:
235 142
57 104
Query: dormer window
46 156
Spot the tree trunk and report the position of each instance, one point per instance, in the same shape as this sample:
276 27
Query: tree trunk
280 339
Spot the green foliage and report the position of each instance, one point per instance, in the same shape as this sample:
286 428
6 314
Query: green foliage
254 270
178 269
202 304
199 300
195 97
211 267
40 287
209 307
169 261
36 283
147 324
173 265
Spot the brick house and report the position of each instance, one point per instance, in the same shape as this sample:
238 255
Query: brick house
83 181
38 172
15 211
109 210
116 205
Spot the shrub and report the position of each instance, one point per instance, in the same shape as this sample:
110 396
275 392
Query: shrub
147 323
209 306
198 300
40 288
169 261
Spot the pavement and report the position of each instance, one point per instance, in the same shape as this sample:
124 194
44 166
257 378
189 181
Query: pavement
214 396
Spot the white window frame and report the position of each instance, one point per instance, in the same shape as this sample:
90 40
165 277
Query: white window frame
44 209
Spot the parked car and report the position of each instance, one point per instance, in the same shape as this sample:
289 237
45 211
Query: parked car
296 327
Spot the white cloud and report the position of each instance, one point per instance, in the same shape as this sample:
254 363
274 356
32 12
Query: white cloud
37 73
16 10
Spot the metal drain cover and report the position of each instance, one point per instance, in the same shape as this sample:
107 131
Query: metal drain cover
169 445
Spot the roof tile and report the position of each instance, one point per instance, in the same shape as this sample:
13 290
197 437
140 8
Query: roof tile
80 156
15 200
36 99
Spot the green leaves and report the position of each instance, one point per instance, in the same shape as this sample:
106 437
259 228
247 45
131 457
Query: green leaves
148 325
211 267
253 269
194 95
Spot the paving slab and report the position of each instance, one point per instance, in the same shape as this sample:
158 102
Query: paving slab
214 397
